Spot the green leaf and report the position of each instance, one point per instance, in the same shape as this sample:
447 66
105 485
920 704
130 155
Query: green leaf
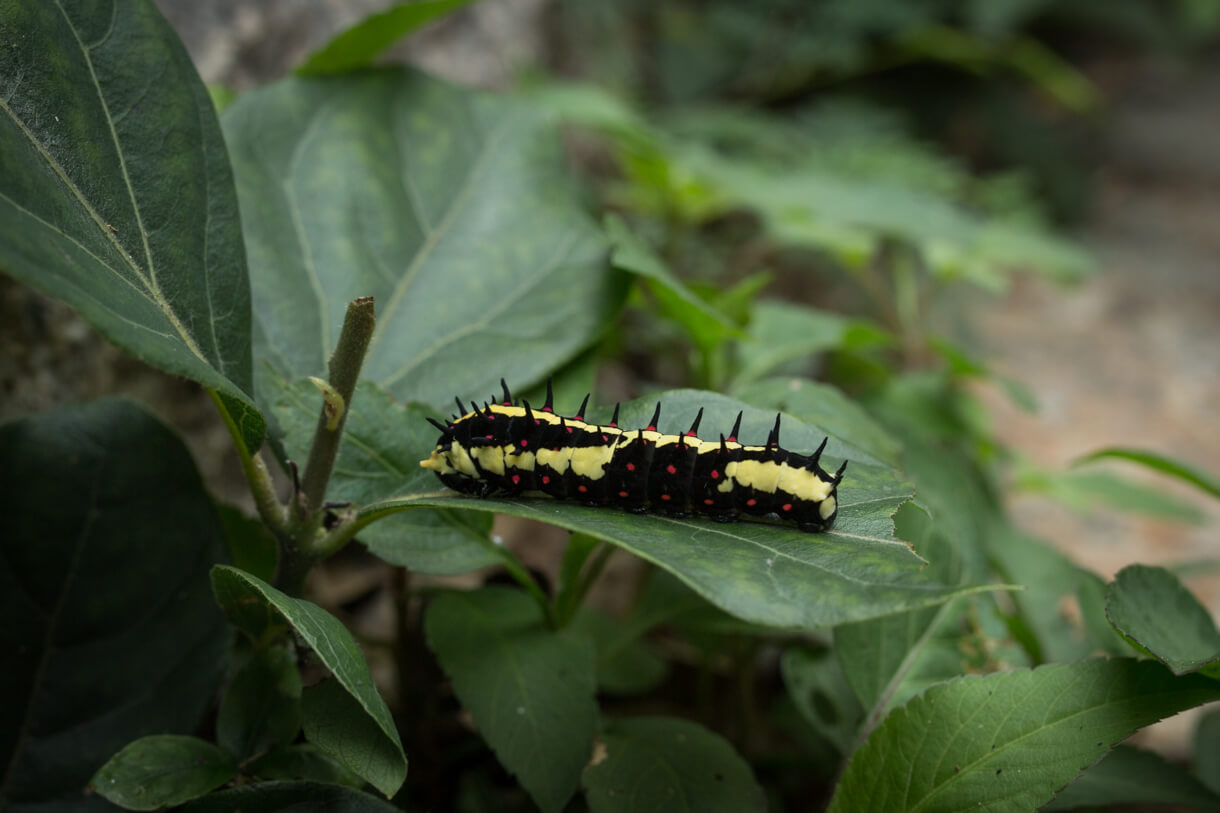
625 664
1205 482
1152 609
783 332
529 689
274 797
109 630
826 406
379 457
663 763
450 207
766 573
1207 750
359 45
116 194
1129 776
338 652
302 761
706 326
262 706
822 695
336 723
163 770
1100 490
1010 738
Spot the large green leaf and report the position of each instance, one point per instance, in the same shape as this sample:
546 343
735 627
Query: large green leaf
1205 482
275 797
115 190
362 43
109 630
766 573
784 332
1009 740
381 763
1151 608
529 688
383 442
448 206
663 763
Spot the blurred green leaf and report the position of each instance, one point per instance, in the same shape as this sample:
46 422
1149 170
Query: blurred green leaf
360 44
1159 463
163 770
380 759
261 707
337 722
109 630
302 761
116 193
476 248
529 688
1093 490
1207 750
1129 776
822 695
251 545
273 797
1152 609
625 663
670 764
1017 736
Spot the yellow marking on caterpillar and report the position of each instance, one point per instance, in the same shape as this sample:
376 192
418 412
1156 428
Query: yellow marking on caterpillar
805 485
491 458
590 461
760 474
827 507
523 460
460 460
557 459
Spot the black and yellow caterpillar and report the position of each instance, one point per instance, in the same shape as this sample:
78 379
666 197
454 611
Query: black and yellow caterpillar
510 449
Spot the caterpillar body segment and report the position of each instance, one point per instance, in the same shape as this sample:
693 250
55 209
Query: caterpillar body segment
512 449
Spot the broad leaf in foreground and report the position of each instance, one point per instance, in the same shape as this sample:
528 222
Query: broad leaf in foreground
1152 609
382 764
1012 738
767 573
163 770
529 688
116 194
1129 776
663 763
450 207
109 630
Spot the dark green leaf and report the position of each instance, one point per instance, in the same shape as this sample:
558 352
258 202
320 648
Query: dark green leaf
116 194
1207 750
274 797
109 631
1165 465
1010 738
251 545
448 206
336 723
528 688
667 764
1129 776
383 442
1151 608
625 663
163 770
706 326
360 45
783 332
304 762
765 573
262 706
822 695
336 649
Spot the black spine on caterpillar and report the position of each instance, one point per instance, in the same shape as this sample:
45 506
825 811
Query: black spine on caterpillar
512 449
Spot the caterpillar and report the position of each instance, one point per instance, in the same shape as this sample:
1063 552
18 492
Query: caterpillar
509 449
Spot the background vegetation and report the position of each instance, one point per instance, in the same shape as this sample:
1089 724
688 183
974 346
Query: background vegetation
768 207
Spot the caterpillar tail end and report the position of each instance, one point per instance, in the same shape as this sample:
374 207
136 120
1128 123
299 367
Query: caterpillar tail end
431 463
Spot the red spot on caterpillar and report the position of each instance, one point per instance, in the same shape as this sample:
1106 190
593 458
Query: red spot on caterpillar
709 501
671 469
630 467
665 497
524 443
650 428
545 479
605 438
582 488
715 474
569 429
622 494
787 506
516 479
751 502
731 438
689 434
490 437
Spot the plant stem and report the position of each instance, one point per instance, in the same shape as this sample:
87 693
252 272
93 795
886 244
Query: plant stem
262 488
